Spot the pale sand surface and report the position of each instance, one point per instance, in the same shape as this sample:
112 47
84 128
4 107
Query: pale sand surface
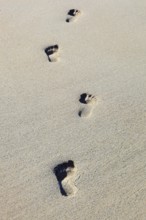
103 53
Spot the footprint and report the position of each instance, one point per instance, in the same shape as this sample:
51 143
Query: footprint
65 174
89 101
52 53
73 15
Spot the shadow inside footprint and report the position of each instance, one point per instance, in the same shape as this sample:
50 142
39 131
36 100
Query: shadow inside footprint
83 98
89 102
72 13
80 113
51 50
61 173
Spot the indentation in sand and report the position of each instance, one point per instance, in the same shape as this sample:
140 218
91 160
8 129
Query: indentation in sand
65 174
52 53
89 102
72 15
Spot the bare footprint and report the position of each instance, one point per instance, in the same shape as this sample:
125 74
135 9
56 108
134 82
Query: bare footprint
65 174
52 53
89 102
73 15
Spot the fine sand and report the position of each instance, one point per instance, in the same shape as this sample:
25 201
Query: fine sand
100 51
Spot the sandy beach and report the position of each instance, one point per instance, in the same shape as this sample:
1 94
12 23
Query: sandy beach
101 52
